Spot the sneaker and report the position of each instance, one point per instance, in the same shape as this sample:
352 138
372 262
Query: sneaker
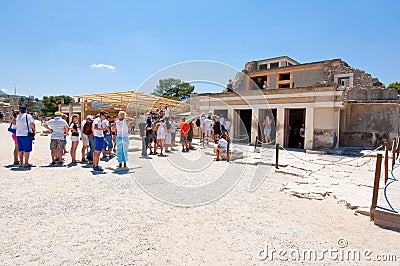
98 168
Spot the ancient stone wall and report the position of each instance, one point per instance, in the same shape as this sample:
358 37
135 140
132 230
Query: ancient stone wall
369 125
360 77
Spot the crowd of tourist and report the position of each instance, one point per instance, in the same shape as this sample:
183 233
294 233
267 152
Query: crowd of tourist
105 136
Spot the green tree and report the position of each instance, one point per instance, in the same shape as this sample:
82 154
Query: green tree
395 85
173 89
50 104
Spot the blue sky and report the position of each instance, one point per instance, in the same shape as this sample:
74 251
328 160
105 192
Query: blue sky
47 47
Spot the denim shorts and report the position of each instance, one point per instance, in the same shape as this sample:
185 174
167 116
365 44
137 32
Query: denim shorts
24 143
99 143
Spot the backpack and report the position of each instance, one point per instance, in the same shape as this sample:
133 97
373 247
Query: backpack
198 122
87 128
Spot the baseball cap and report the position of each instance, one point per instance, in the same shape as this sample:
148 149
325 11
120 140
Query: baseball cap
89 117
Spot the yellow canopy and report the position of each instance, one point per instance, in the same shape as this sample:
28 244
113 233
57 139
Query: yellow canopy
136 100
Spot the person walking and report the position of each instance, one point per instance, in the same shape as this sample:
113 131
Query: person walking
25 132
58 127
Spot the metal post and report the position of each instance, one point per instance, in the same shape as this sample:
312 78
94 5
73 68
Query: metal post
376 186
398 146
227 151
277 156
386 162
255 144
393 152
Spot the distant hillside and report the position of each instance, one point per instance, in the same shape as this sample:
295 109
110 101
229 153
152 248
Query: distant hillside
3 93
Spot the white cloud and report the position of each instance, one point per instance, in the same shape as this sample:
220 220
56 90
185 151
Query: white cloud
100 66
5 90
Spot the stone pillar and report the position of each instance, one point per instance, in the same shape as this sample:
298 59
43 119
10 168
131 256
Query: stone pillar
70 112
254 124
336 124
280 126
309 127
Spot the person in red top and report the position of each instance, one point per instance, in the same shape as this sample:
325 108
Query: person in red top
184 126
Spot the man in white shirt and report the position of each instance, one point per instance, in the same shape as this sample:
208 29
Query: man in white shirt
166 112
58 127
222 120
98 128
202 127
207 126
24 124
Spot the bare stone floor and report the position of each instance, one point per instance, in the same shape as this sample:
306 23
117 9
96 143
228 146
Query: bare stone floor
71 216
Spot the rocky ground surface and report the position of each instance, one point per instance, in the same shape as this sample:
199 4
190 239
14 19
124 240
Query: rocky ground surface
72 215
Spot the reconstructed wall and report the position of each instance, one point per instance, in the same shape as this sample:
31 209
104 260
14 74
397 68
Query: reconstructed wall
307 78
325 128
369 124
337 66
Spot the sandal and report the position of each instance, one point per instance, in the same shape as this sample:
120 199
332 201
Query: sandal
29 165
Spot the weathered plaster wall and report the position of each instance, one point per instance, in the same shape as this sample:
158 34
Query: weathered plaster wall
360 77
371 94
369 124
307 78
325 139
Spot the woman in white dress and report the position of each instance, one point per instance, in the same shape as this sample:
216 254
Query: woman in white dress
121 127
161 133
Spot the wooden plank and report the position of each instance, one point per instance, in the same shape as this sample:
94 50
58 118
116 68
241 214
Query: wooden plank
386 223
387 215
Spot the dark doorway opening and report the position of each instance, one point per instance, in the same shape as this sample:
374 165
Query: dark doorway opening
244 125
295 119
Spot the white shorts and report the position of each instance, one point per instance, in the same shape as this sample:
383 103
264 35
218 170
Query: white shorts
160 135
85 140
74 138
168 138
208 133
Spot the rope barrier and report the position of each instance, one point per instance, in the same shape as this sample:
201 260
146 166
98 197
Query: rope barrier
272 141
332 163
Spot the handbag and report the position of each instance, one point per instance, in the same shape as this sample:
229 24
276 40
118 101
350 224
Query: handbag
12 130
30 134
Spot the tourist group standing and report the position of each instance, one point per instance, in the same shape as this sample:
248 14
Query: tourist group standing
104 136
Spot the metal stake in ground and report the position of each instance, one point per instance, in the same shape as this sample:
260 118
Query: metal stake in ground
386 162
393 152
